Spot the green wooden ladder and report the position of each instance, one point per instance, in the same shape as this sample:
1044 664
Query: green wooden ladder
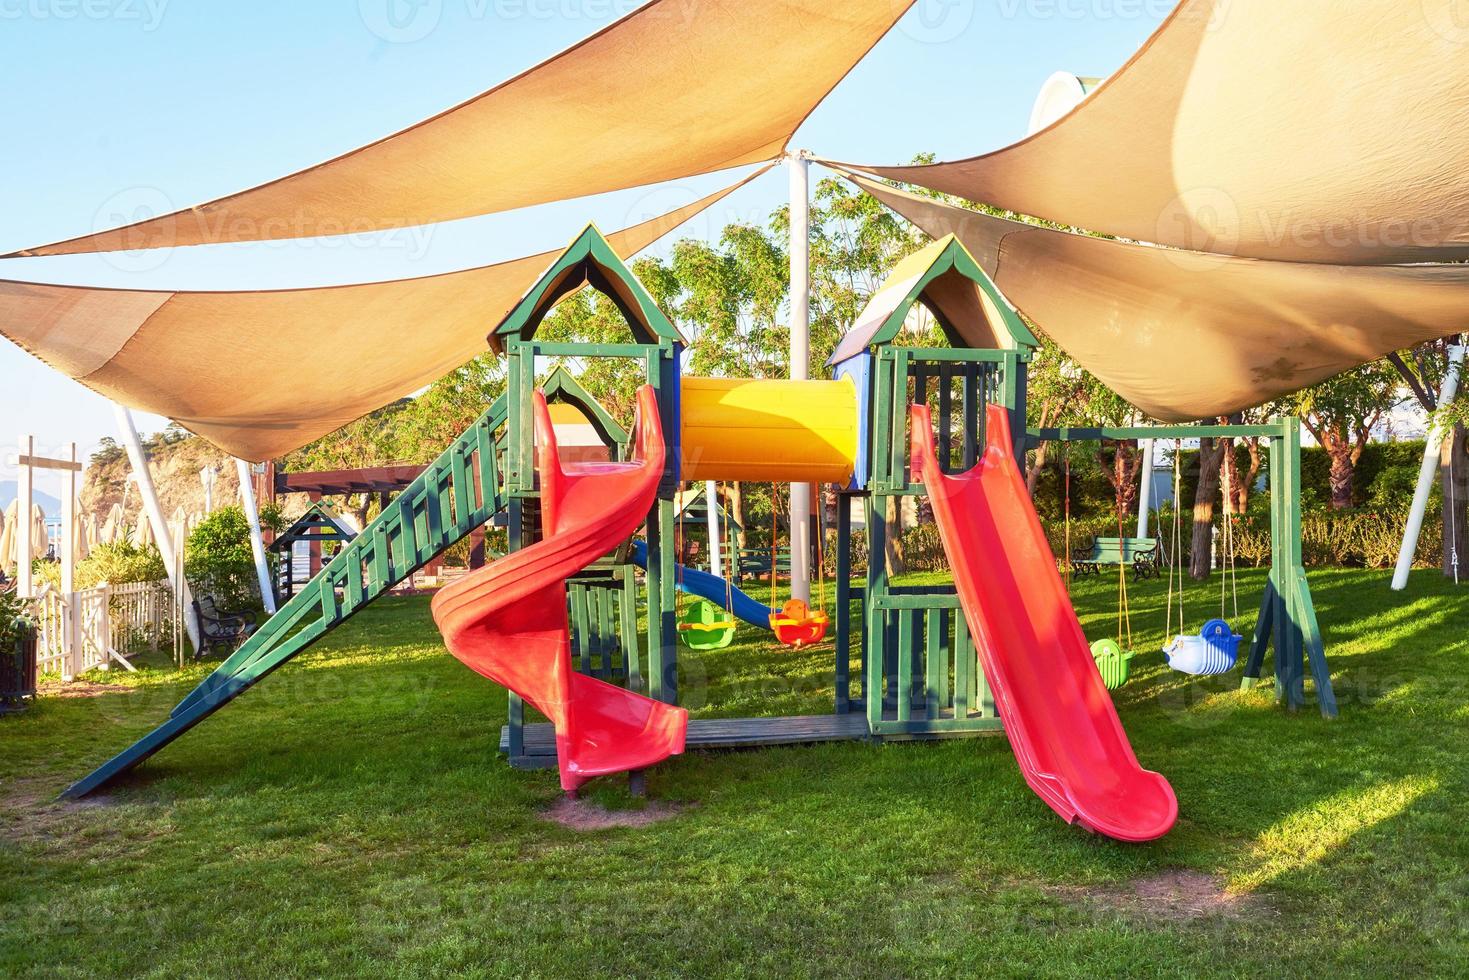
459 492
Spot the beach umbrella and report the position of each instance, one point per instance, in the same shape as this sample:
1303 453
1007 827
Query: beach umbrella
112 528
143 531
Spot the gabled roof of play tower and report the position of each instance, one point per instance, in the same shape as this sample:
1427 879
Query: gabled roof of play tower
945 279
588 261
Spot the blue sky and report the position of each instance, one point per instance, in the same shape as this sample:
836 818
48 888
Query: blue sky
115 106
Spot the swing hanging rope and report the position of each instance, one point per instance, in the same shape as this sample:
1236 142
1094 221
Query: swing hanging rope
1066 562
1174 552
1124 613
774 554
1453 516
1229 572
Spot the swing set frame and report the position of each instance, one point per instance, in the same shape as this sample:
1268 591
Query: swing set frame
1287 616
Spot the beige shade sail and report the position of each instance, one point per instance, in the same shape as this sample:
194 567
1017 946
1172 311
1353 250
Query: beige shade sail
222 364
675 88
1305 131
1189 335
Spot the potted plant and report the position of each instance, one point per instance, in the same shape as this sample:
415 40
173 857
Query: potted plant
17 654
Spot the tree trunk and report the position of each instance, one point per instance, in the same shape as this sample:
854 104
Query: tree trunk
1121 472
1242 485
1036 468
737 499
893 544
1211 454
1343 469
360 510
1454 483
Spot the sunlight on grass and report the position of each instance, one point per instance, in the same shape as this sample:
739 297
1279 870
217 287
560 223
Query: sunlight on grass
1311 834
351 816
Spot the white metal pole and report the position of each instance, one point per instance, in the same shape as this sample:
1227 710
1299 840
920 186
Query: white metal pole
1145 489
72 627
22 535
134 447
1432 445
711 504
800 165
68 520
257 539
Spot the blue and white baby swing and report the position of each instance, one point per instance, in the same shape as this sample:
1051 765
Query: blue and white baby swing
1216 647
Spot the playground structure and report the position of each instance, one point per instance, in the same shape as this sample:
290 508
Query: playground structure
556 619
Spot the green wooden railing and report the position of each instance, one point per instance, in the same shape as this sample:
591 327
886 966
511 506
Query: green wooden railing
459 492
928 679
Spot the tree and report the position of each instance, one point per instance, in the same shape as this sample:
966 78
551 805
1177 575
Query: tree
447 407
1422 369
373 440
1341 412
729 303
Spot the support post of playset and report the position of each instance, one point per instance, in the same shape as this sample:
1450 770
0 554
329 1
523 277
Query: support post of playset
843 640
134 447
663 374
1287 613
1145 489
800 165
1432 446
514 541
257 538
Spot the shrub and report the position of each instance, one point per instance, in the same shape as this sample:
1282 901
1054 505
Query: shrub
218 558
12 610
114 563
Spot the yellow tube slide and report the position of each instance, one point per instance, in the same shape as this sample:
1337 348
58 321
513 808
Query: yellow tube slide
768 431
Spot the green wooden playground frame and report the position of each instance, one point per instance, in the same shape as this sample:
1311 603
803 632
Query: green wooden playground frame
916 670
1287 614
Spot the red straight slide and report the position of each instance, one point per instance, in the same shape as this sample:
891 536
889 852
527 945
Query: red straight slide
1058 715
508 620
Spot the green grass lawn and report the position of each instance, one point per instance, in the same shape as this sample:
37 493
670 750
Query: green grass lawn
351 815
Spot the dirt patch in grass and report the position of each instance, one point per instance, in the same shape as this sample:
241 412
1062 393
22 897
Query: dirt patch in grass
1169 896
585 816
80 689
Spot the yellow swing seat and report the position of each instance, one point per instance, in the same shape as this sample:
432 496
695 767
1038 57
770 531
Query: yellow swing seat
797 625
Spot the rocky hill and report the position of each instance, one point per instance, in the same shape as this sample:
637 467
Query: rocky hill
175 458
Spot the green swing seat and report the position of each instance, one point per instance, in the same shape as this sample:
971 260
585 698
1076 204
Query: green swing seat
1112 663
704 626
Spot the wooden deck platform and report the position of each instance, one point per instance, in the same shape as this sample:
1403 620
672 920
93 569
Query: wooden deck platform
724 733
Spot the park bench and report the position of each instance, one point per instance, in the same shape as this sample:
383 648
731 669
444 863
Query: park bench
220 628
1143 554
755 562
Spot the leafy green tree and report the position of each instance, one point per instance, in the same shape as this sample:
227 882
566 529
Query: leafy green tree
1341 412
428 423
729 303
218 558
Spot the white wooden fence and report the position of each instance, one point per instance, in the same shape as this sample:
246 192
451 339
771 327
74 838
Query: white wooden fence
93 628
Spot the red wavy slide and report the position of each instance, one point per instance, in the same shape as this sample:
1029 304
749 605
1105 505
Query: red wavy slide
508 620
1058 715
